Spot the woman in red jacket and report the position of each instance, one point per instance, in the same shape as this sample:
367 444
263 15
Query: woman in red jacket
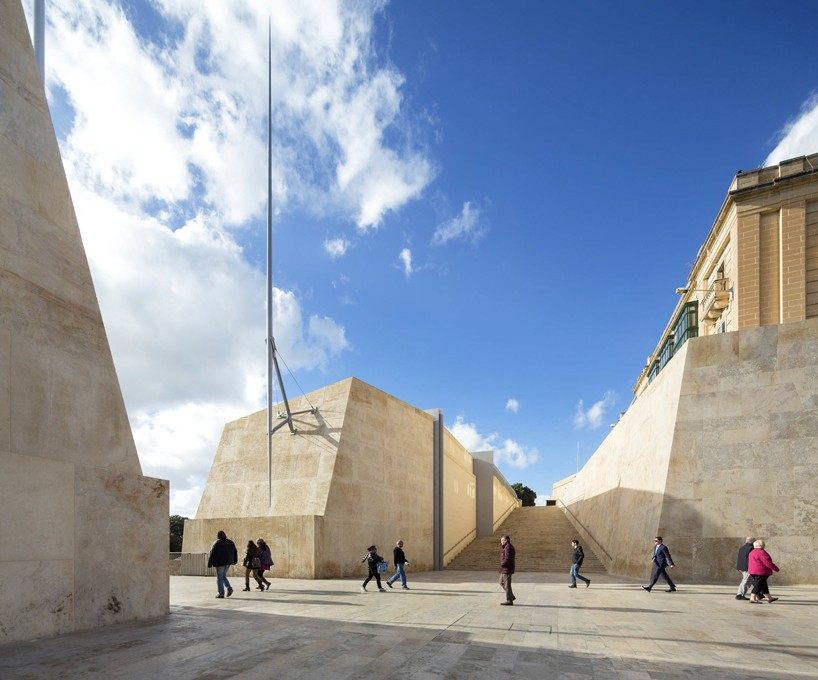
761 567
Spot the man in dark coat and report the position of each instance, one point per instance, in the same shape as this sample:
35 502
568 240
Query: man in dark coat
400 566
507 569
223 553
662 561
577 556
741 565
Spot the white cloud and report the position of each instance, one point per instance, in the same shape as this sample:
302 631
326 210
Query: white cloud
799 136
405 258
465 226
183 111
469 437
509 452
165 155
185 319
336 247
593 416
513 405
515 454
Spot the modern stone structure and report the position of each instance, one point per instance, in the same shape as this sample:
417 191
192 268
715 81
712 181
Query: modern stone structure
721 441
360 470
83 535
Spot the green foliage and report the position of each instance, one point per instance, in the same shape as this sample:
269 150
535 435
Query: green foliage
177 530
526 495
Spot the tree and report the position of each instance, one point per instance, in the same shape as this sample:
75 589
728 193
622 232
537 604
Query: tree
526 495
177 530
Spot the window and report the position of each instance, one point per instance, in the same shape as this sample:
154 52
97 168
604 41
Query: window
666 353
687 325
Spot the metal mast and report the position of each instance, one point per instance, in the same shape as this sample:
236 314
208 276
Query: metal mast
272 360
269 339
39 37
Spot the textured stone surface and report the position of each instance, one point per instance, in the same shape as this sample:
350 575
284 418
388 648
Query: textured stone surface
450 625
127 512
74 501
358 472
743 459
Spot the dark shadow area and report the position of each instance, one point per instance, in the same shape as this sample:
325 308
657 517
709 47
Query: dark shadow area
261 598
213 644
627 610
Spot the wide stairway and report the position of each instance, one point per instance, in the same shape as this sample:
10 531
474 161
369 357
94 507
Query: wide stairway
542 538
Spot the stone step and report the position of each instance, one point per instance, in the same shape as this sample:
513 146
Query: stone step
542 538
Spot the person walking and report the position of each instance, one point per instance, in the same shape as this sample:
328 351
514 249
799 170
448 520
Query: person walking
400 566
266 557
761 567
741 565
662 561
576 562
252 564
222 555
507 554
373 559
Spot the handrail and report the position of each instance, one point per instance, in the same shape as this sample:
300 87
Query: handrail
504 516
583 527
457 543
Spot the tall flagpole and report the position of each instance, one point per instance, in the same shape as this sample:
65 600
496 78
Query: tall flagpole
39 37
270 345
272 361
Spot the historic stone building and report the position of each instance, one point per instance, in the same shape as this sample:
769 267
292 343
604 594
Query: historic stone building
364 468
758 265
721 440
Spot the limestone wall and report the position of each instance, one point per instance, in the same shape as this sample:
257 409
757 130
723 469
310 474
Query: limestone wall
743 459
459 498
358 472
382 485
237 484
617 496
505 500
70 478
745 453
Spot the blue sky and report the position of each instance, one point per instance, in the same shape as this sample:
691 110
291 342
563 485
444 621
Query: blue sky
551 168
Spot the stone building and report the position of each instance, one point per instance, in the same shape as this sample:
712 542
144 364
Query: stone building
721 440
364 468
758 265
83 534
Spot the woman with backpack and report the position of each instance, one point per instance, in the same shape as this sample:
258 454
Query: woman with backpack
373 559
266 558
252 563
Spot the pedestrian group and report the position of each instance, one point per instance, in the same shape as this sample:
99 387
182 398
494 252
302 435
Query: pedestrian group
753 561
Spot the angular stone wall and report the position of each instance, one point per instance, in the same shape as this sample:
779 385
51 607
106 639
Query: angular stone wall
743 459
618 494
358 472
76 507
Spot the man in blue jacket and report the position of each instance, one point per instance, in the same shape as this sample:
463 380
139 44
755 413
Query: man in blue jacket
662 561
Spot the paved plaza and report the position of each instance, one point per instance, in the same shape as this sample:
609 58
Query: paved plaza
450 625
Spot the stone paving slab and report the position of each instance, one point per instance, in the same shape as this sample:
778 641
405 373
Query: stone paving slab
449 625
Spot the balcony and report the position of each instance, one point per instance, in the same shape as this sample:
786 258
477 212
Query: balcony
715 300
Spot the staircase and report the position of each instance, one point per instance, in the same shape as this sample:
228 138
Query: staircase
542 538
